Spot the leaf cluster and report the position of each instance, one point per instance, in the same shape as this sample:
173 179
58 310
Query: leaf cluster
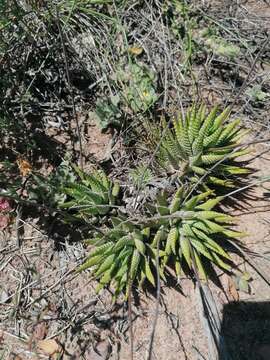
202 144
180 230
138 86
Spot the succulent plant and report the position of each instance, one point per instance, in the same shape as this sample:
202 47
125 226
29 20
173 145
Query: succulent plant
122 256
139 87
95 194
196 237
198 141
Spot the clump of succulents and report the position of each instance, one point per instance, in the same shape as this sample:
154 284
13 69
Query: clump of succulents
179 229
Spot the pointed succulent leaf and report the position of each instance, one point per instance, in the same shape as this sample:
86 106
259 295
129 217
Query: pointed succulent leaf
91 262
172 240
211 244
122 242
186 249
146 232
227 131
210 204
105 265
201 248
158 237
199 266
175 205
220 263
139 245
136 257
212 139
148 273
221 118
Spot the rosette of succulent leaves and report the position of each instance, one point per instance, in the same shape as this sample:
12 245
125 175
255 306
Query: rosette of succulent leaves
177 231
204 145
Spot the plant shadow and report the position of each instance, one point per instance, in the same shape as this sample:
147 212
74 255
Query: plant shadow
267 195
245 330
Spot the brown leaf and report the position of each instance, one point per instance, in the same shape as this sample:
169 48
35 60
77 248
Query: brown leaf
24 166
49 346
135 50
232 290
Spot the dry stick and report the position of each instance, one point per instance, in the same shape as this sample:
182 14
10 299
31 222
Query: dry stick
32 283
19 213
262 180
164 130
245 83
70 87
17 224
212 323
253 142
130 320
223 27
157 306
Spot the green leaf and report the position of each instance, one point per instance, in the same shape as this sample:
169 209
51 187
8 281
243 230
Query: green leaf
91 262
201 248
199 266
148 273
172 240
139 245
175 205
136 257
122 242
108 262
186 251
210 204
